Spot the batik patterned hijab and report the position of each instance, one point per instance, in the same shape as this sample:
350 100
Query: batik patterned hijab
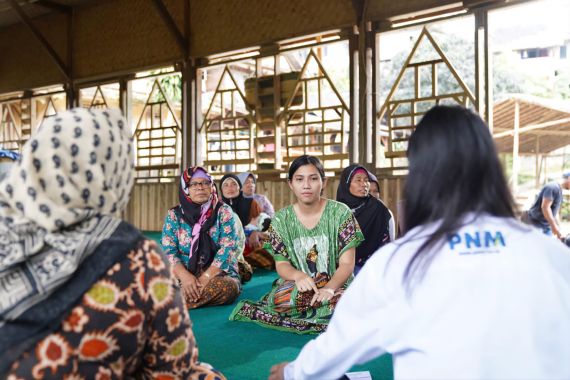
56 203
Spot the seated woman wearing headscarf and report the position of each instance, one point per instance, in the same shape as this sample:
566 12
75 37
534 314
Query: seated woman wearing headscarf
84 294
372 215
203 240
249 184
255 222
375 192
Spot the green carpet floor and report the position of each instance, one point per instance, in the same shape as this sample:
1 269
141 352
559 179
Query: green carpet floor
247 351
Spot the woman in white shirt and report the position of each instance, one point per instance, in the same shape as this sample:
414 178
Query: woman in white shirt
468 292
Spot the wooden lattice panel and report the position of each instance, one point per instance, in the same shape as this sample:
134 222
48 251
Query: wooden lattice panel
157 137
101 96
320 125
10 130
228 127
402 113
98 101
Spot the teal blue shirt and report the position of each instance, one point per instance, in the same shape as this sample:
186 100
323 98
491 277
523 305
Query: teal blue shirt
227 234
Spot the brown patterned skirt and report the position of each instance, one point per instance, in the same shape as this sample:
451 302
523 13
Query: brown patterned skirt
220 290
260 258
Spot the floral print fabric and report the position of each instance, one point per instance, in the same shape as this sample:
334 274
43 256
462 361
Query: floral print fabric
131 322
227 234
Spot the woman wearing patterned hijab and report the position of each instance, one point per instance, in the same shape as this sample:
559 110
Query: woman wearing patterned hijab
203 240
79 286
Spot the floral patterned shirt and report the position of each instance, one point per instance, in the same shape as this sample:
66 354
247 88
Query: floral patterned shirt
227 233
131 323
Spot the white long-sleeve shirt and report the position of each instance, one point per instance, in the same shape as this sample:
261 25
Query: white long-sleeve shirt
494 304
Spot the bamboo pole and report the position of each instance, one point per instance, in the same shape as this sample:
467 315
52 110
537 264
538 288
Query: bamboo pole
516 162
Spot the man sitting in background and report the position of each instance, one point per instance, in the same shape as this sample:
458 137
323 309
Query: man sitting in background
544 211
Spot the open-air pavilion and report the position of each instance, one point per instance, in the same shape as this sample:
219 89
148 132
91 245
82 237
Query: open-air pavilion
279 87
250 85
527 126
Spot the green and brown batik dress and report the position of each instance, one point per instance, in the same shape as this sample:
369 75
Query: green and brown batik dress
315 251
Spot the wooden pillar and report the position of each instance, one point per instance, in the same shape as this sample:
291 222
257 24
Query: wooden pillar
537 163
369 126
376 145
124 97
483 73
197 119
516 162
189 98
365 99
353 152
365 53
188 111
71 95
279 121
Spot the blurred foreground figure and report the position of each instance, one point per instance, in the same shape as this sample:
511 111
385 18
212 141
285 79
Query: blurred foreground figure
84 294
468 292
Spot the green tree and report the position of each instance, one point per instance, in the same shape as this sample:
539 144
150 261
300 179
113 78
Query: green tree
510 76
172 87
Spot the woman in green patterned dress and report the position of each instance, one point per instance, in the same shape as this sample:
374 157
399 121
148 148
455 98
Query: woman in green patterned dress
313 243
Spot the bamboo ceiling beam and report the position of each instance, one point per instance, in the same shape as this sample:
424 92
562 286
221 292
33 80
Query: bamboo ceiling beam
46 45
532 127
172 27
549 133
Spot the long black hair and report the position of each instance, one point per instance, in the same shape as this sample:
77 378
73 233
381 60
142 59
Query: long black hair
306 160
453 170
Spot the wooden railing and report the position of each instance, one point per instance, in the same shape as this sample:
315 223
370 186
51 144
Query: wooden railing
150 201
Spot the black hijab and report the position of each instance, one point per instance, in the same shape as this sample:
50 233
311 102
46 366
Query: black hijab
203 250
372 215
240 204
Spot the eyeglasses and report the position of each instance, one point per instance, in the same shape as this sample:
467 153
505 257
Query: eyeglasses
194 185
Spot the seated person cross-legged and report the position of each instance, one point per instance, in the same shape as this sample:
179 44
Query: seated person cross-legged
313 243
203 239
252 219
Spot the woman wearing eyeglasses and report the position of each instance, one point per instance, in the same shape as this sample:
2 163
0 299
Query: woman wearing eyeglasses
203 239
